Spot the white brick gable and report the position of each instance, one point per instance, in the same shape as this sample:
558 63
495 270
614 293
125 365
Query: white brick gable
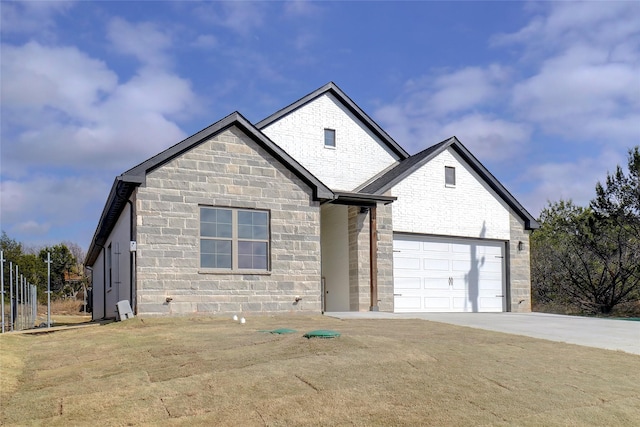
470 209
358 156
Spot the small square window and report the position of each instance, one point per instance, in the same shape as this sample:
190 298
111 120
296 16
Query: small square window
449 176
330 138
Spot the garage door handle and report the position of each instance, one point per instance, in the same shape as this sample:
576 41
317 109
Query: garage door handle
499 296
397 295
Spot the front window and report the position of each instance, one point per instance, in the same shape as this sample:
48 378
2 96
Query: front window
234 239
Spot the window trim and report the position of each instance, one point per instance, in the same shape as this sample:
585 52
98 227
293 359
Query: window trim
448 184
234 239
329 131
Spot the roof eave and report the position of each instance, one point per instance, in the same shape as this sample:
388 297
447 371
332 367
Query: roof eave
121 190
125 184
530 222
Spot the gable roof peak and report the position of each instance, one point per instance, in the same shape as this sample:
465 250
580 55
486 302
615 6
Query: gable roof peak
409 165
348 103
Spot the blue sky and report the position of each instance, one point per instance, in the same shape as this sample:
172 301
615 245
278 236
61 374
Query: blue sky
546 95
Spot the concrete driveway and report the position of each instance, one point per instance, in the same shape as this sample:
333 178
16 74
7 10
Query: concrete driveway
623 335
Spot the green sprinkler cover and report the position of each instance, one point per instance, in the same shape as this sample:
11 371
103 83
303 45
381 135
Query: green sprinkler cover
322 333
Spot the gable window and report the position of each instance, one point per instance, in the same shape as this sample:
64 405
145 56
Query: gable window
234 239
449 176
330 138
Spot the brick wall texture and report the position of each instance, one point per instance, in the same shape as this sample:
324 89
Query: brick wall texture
301 134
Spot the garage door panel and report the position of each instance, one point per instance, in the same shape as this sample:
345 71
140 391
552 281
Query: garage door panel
459 285
490 304
407 283
448 274
437 303
491 286
436 283
406 263
463 266
434 246
406 245
462 304
408 303
436 264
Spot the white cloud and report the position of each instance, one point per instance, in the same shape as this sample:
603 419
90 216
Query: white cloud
446 103
62 78
575 180
142 40
562 24
66 109
489 138
205 41
36 205
585 82
301 8
575 83
35 17
239 16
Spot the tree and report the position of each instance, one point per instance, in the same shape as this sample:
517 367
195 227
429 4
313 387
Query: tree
590 257
62 261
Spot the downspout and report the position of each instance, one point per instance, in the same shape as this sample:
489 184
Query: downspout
132 260
373 258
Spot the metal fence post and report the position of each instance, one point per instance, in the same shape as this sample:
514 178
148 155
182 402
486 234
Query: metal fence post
48 289
16 318
11 295
34 304
2 260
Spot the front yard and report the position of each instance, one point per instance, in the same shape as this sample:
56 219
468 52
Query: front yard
213 371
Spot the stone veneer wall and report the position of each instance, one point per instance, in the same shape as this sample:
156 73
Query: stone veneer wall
359 275
520 266
229 170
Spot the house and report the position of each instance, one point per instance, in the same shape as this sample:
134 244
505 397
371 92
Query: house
315 208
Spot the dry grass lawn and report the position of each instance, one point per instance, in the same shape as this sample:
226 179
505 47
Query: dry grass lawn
213 371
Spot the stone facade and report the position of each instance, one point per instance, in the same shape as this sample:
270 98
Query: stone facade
520 266
359 257
229 170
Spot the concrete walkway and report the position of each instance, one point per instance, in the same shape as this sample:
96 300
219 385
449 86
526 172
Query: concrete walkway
623 335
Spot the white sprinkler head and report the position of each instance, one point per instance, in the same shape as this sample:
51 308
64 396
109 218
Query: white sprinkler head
235 318
242 321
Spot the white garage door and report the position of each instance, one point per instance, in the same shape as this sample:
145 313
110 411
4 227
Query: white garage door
438 274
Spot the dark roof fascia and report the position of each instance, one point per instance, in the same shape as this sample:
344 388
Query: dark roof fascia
121 190
163 157
405 168
530 222
361 199
124 184
321 191
349 104
413 163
